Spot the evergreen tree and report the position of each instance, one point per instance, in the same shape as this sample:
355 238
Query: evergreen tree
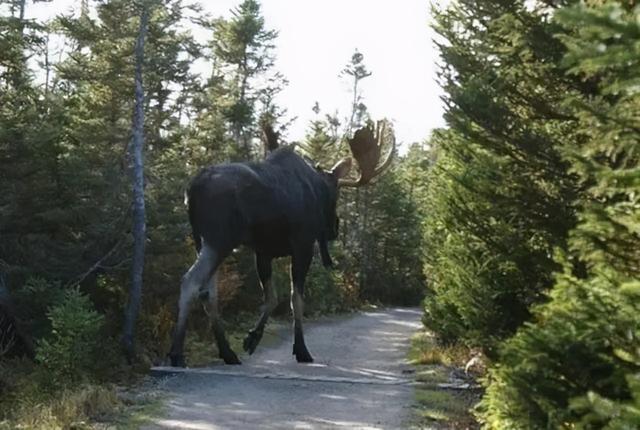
243 62
393 238
577 365
319 145
356 71
67 220
354 205
500 196
24 160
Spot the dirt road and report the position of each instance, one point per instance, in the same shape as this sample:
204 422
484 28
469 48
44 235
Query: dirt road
360 380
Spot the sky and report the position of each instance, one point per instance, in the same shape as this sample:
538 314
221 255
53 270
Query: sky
316 39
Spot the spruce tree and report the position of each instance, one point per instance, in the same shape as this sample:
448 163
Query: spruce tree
577 365
243 60
501 198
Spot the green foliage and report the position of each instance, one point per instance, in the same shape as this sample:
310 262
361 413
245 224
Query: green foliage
500 197
328 290
391 235
70 352
356 71
577 364
65 196
319 145
243 82
34 298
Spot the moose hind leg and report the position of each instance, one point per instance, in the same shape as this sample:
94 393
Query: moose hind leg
263 266
224 350
299 267
192 282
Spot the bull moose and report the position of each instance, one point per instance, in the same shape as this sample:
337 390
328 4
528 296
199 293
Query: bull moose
279 207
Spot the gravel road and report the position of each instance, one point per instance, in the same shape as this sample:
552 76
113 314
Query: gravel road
360 380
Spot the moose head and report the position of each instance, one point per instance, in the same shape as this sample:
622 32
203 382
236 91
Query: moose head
366 148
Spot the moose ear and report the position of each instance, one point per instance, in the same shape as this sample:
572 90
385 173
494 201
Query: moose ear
342 167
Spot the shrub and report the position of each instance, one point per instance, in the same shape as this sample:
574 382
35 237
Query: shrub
575 350
70 352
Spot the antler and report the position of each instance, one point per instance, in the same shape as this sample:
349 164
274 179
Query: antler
366 147
270 138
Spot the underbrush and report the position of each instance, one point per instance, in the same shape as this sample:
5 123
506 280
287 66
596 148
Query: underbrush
32 408
31 403
445 394
425 350
66 385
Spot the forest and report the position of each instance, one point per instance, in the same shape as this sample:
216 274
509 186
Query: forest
515 227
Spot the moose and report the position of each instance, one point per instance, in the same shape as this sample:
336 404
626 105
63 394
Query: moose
278 207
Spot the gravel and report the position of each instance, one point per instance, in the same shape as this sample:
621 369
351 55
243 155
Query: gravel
360 380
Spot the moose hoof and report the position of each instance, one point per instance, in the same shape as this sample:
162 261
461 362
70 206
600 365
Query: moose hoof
177 360
230 357
302 354
251 342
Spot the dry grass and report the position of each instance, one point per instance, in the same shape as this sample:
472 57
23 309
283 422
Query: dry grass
444 409
438 407
425 350
70 408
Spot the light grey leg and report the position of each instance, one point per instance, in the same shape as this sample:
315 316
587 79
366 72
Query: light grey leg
192 282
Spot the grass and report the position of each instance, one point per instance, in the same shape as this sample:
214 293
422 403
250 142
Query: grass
31 397
425 350
438 407
135 414
443 407
88 406
70 408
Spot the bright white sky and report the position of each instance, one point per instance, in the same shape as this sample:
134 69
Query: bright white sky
316 40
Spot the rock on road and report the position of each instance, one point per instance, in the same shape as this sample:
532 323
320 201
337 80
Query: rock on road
360 380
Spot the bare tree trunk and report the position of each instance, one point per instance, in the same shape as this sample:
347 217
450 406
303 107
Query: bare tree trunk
47 68
23 4
242 139
139 226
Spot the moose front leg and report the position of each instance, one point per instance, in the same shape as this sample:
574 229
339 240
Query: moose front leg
263 266
300 262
